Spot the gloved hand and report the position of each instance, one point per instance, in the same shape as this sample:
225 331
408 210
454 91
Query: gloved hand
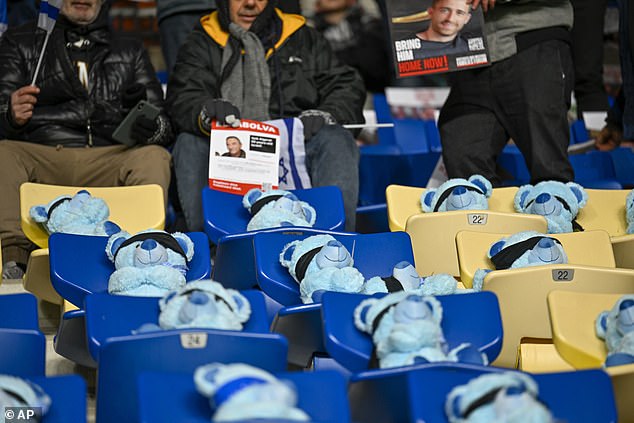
150 131
223 111
313 121
132 94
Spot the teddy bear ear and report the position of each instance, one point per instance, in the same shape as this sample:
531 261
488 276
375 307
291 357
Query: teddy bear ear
482 183
38 214
309 212
427 199
114 242
84 191
287 254
111 228
520 197
251 197
496 248
361 315
601 324
186 244
243 312
579 192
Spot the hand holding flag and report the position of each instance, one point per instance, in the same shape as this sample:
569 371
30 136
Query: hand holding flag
49 9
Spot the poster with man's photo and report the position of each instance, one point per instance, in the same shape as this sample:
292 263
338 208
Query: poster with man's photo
433 36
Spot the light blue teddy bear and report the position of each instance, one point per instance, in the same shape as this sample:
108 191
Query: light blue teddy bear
458 194
321 263
406 330
507 397
405 278
80 214
558 202
629 212
523 249
149 264
240 392
616 328
276 208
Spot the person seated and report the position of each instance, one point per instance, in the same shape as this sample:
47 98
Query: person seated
250 60
60 127
358 39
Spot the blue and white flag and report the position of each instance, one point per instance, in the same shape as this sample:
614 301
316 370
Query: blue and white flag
3 16
293 173
49 9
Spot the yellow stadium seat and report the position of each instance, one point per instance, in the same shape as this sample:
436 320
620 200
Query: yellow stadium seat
133 208
623 247
605 210
591 248
433 235
404 201
522 297
572 317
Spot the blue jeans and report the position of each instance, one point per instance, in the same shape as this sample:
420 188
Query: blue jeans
332 158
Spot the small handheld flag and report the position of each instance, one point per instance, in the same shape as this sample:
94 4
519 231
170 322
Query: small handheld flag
49 9
3 16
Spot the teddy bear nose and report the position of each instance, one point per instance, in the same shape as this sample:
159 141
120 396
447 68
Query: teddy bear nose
542 198
459 190
149 244
545 243
198 298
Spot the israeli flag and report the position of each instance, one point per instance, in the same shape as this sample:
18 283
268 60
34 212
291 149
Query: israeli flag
49 9
293 173
3 16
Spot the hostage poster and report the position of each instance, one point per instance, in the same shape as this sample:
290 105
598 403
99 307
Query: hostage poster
433 36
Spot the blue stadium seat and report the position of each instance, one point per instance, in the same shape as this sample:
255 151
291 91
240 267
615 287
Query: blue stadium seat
172 397
79 265
226 221
22 344
121 361
594 169
374 255
472 318
68 398
116 316
419 395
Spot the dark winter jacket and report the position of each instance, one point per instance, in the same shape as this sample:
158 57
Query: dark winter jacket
305 74
66 113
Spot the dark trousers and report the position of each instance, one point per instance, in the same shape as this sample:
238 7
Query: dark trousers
587 53
524 97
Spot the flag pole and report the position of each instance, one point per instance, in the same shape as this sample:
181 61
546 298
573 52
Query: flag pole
39 60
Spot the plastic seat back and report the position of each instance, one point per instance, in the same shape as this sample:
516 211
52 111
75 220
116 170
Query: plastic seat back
434 234
404 202
133 208
225 215
121 361
68 398
373 254
352 348
623 248
572 317
605 210
23 345
522 296
79 265
590 248
116 316
420 395
171 397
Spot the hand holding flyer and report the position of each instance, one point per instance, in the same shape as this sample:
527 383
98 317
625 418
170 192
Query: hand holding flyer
446 35
244 157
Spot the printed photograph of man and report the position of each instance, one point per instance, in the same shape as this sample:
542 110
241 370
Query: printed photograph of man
447 18
234 148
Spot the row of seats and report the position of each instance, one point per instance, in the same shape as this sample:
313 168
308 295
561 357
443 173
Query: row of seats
331 330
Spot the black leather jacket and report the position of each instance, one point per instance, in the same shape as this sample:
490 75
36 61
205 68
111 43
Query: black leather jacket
66 113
